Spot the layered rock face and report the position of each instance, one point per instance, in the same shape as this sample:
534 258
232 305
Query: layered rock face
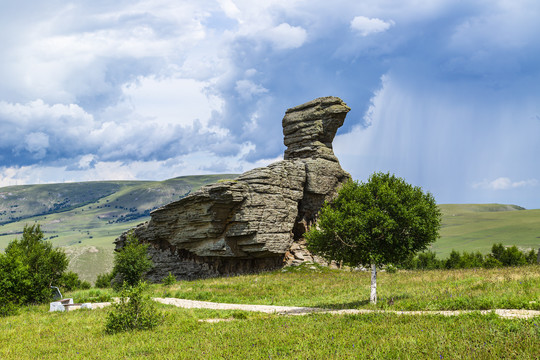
255 222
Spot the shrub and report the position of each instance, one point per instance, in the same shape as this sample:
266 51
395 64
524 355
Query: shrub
135 311
510 256
131 262
453 261
70 281
29 267
8 309
14 284
531 257
169 280
500 256
428 260
491 262
513 257
497 251
104 281
15 280
471 260
411 263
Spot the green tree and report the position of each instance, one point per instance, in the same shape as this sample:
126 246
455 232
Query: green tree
497 251
513 257
131 262
384 220
35 265
15 284
510 256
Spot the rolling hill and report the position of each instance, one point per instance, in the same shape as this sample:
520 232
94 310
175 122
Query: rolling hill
85 218
476 227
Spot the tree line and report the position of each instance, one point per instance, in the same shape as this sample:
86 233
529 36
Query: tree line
500 256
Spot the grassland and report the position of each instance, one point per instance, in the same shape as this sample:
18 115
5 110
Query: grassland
80 334
476 227
183 335
309 285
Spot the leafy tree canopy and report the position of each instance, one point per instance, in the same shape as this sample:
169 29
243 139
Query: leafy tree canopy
384 220
131 262
29 267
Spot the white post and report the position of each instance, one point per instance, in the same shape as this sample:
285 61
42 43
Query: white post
373 296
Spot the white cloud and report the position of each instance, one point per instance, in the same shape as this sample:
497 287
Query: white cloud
72 55
87 161
39 123
229 8
197 162
504 183
247 89
170 100
157 119
366 26
285 36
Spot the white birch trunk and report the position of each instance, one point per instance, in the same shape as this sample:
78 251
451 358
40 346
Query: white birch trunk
373 296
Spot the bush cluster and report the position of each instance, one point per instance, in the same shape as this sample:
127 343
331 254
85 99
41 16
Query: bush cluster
70 281
500 256
169 280
104 281
135 311
28 268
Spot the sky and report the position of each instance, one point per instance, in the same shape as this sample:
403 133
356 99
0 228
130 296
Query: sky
444 93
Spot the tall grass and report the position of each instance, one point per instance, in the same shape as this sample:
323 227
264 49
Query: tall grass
36 334
309 285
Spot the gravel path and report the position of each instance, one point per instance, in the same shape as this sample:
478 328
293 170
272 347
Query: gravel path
293 310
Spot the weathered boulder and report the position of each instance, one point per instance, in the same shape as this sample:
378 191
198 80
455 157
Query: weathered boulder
256 221
310 128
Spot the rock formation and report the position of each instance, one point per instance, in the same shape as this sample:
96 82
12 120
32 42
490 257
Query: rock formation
256 221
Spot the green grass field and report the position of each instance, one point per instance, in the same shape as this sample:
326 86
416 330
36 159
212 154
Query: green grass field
37 334
472 289
477 227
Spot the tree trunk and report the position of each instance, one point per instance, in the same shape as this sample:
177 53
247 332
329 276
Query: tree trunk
373 296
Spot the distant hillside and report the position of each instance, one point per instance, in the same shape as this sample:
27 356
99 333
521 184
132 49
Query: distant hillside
22 202
475 227
88 216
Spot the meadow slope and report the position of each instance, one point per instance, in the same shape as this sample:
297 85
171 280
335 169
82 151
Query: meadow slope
476 227
85 218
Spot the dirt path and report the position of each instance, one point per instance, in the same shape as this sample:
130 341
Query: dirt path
293 310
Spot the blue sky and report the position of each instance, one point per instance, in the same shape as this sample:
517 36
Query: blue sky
444 93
